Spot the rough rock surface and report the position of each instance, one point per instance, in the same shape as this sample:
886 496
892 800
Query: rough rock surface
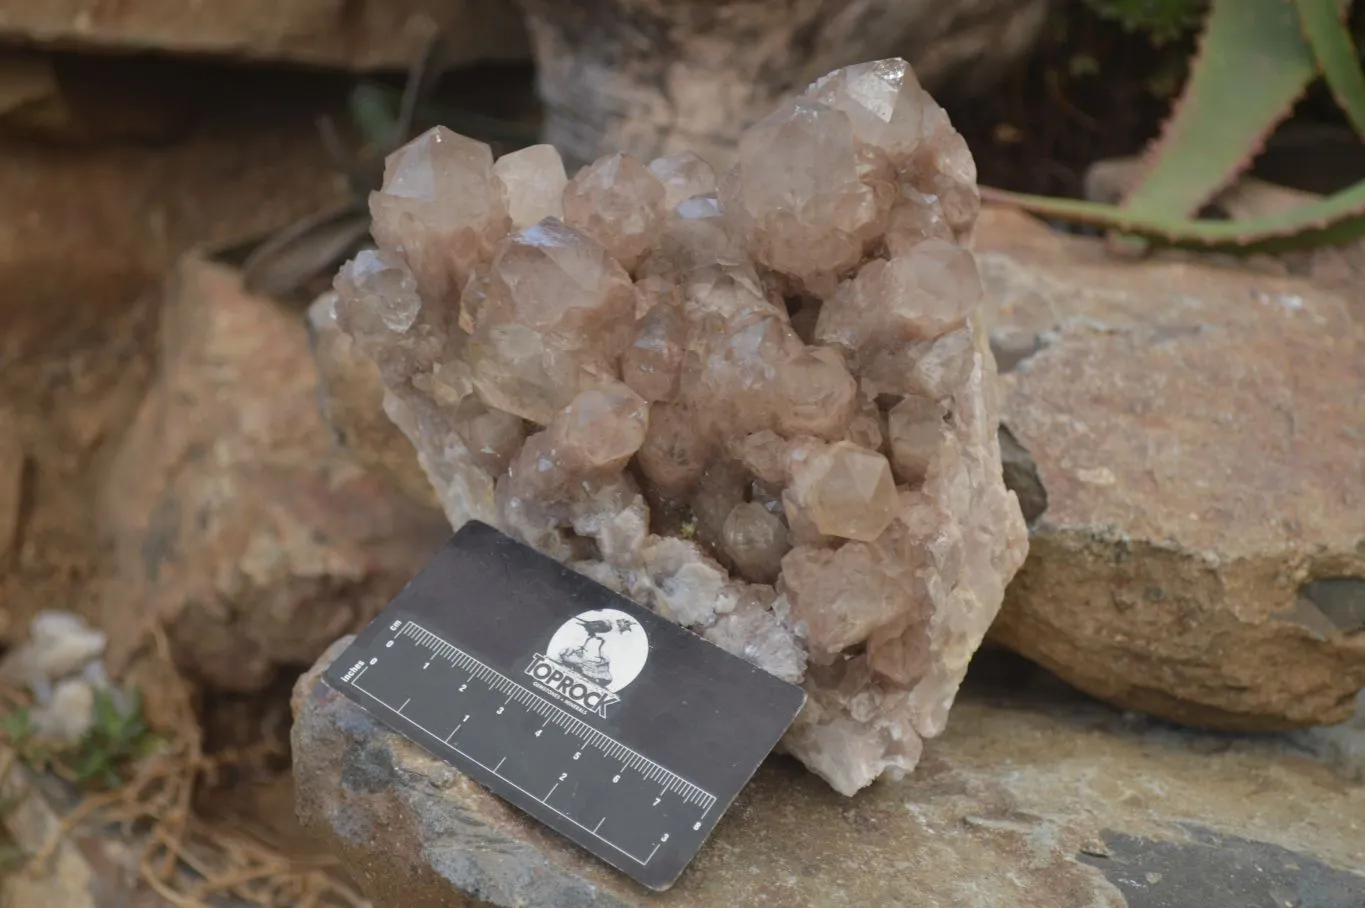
659 77
1033 798
768 413
236 521
370 34
87 237
85 870
1199 432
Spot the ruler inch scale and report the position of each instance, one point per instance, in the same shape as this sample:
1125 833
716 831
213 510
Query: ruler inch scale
623 732
544 707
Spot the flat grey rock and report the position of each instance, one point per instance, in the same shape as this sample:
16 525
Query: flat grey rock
1034 797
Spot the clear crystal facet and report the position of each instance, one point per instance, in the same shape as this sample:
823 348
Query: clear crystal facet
533 182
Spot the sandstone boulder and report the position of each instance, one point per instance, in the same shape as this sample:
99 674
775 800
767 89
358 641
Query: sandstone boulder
236 522
370 34
87 236
1033 798
1194 438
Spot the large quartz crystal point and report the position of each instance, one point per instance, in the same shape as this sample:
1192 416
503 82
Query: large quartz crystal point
760 403
441 207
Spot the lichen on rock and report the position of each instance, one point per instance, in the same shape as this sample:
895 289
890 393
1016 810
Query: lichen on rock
761 405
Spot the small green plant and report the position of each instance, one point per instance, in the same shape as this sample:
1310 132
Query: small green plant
1256 59
118 738
1162 21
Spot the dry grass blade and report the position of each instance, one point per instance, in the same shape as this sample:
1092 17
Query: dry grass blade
186 860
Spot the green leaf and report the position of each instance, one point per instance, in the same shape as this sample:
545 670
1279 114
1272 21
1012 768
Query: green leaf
1253 64
1163 20
107 718
1335 219
379 103
11 856
16 727
375 114
93 762
1324 25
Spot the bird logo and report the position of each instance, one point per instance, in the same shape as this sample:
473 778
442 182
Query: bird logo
591 658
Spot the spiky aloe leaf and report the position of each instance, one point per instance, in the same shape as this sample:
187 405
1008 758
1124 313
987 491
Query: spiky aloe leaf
1324 25
1253 64
1335 219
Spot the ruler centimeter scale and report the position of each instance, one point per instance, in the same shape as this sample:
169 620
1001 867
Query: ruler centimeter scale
616 728
486 714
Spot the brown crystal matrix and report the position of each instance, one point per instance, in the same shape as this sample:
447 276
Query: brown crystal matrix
759 404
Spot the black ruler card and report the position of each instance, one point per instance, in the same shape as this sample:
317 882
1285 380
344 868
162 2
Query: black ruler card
611 725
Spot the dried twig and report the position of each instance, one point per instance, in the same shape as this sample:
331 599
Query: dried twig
187 860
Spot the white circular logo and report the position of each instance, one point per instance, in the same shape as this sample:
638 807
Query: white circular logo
604 646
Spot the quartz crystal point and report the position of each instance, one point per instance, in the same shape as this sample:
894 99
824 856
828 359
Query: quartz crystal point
762 405
441 208
796 195
683 176
533 182
618 203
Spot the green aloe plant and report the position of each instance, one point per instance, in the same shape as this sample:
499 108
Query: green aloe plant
1256 59
118 738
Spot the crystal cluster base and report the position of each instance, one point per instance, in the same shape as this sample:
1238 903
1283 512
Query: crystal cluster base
761 404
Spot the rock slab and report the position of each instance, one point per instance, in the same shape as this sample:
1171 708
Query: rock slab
235 521
1197 444
370 34
1035 797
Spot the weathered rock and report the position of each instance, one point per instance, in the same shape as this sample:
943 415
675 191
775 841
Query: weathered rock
836 496
1198 433
1340 746
236 521
365 35
85 870
87 237
1034 797
662 77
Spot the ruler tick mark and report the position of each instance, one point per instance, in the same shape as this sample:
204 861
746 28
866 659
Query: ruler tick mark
586 736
